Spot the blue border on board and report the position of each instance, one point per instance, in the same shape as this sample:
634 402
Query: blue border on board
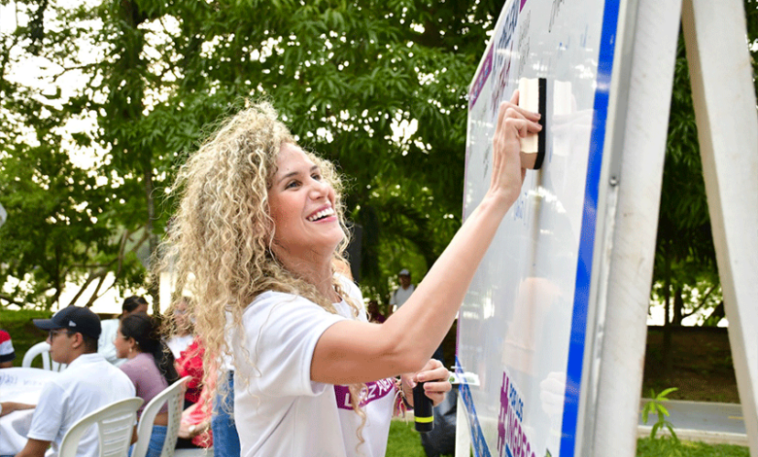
587 239
478 442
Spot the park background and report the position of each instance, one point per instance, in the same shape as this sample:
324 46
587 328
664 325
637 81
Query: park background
102 101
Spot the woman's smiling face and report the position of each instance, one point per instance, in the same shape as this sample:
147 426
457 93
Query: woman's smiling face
301 205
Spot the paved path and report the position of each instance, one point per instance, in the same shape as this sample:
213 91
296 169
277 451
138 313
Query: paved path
702 421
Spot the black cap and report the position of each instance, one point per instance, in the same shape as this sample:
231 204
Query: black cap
74 318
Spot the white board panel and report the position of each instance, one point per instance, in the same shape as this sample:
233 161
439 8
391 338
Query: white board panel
522 326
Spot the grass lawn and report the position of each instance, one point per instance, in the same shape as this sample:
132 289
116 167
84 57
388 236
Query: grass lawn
669 448
404 441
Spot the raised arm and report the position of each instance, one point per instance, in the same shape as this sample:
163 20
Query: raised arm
350 351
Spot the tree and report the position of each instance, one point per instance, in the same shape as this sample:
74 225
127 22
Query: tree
685 255
685 276
68 222
344 74
153 77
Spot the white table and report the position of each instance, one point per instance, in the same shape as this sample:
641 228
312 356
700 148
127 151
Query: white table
21 385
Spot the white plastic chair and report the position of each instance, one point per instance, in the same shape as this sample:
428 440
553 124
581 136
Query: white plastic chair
174 395
42 349
115 426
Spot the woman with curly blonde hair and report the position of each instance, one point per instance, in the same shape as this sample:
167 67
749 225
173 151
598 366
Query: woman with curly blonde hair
259 229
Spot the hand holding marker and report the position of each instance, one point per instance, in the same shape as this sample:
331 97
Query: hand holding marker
423 412
430 386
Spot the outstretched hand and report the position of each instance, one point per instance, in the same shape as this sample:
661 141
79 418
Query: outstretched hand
513 123
437 381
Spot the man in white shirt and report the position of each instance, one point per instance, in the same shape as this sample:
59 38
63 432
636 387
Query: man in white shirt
402 293
88 384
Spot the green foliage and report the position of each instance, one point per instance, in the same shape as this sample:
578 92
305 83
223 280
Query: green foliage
655 406
404 440
686 275
685 258
149 78
63 223
346 75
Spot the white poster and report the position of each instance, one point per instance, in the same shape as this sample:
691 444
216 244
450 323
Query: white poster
522 325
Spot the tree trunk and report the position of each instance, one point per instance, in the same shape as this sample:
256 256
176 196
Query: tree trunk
716 315
666 352
678 307
152 239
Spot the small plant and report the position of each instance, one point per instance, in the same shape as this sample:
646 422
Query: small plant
655 406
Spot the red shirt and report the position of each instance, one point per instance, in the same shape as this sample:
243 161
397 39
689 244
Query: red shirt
190 363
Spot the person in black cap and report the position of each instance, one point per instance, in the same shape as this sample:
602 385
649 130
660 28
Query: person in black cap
88 383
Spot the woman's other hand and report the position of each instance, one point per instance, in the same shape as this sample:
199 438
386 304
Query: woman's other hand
436 377
513 123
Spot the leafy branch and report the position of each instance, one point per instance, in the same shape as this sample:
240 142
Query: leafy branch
655 406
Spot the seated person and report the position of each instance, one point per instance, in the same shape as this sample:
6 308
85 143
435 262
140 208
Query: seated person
190 363
374 315
7 354
131 305
150 366
181 327
77 391
195 425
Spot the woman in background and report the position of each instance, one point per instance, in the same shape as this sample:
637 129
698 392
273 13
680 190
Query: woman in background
181 327
149 365
105 347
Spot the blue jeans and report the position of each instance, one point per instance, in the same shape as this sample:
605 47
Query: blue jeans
226 441
157 438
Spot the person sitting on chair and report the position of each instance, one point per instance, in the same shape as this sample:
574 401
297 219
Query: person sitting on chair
7 354
150 367
88 384
132 305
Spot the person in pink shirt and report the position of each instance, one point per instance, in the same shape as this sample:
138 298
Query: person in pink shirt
149 365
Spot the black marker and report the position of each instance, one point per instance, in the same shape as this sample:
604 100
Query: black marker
422 409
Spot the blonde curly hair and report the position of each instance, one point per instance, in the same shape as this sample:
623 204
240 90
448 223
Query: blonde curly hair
219 242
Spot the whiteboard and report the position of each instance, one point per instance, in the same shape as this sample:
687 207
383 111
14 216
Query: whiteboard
522 326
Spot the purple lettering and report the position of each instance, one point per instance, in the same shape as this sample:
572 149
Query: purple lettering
374 391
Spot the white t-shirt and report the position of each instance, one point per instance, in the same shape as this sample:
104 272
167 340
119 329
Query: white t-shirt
178 344
400 296
88 384
105 345
280 411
